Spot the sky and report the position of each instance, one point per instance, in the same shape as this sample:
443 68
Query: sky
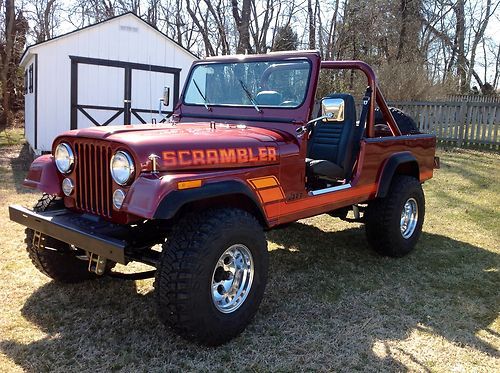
492 32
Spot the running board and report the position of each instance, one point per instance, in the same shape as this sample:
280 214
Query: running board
329 190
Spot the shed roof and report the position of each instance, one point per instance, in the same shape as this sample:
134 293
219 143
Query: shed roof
28 49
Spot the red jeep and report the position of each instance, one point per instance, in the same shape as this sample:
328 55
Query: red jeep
248 149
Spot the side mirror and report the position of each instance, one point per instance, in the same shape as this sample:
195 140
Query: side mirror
166 96
332 109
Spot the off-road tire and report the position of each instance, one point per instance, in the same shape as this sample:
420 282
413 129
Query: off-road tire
183 277
383 215
406 124
54 258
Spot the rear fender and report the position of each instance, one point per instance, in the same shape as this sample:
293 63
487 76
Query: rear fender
43 175
400 163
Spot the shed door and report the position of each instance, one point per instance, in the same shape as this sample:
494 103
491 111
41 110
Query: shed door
100 96
105 92
147 90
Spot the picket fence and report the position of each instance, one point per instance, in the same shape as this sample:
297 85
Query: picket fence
473 98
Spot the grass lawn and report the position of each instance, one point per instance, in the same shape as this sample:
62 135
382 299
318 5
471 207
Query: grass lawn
331 303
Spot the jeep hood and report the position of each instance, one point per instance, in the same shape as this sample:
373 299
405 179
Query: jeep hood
188 145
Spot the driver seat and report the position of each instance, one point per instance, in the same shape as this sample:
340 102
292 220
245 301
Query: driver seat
329 146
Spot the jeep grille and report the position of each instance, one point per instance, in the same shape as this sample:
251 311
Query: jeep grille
93 184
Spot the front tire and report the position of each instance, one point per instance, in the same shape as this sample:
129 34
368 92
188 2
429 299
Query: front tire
54 258
394 223
212 275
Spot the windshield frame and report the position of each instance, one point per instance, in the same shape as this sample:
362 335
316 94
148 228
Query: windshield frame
263 107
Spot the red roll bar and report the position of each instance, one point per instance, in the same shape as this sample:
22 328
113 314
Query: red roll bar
376 94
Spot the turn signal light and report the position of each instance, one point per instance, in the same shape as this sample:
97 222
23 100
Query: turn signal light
118 198
67 186
189 184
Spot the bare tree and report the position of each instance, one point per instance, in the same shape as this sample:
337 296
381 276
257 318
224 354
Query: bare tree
312 25
478 37
496 77
12 41
410 20
242 20
45 18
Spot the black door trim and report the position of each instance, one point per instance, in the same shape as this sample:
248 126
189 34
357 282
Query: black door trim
127 109
36 102
123 64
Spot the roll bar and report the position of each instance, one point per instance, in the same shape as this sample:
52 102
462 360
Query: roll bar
376 95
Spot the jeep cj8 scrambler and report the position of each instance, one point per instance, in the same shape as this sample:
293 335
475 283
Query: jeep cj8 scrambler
247 149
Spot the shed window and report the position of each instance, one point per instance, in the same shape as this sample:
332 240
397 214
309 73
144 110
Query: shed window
31 78
25 82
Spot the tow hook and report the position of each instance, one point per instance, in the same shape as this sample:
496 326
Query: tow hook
97 264
437 162
355 211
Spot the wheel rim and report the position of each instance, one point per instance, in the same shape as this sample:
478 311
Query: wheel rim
409 218
232 278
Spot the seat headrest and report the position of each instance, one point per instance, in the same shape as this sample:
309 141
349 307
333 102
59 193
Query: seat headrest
268 98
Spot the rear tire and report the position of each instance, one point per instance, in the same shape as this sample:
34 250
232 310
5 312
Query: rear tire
394 223
54 258
192 279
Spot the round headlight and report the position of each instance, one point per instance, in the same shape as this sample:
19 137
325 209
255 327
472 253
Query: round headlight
64 158
122 167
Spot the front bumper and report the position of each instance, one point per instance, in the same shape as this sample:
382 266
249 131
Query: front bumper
81 230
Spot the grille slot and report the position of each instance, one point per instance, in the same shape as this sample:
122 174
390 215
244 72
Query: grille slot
93 184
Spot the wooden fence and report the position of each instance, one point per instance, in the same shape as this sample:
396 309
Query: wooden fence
457 123
473 98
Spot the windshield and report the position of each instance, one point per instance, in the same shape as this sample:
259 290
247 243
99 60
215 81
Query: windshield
255 84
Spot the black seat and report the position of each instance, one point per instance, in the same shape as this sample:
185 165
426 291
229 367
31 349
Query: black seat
329 149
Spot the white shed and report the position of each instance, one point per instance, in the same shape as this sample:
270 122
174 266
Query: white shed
110 73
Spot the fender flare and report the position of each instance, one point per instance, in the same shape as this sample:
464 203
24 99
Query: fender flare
390 167
172 203
43 175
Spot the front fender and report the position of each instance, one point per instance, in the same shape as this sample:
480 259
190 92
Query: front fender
158 198
43 175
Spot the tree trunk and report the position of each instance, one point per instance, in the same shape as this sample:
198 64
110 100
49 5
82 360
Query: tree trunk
243 25
220 26
477 38
408 48
460 35
496 78
6 55
209 50
330 46
312 27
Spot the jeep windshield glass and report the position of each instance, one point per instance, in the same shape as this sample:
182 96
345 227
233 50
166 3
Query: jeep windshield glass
258 84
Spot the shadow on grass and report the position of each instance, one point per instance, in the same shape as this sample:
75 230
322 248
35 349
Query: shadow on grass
329 300
20 162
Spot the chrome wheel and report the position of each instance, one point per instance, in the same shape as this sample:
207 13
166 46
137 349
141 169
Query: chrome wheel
232 278
409 218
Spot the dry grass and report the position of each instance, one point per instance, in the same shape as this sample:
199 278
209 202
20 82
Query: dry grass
331 303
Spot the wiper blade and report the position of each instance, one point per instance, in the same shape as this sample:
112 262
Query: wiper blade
249 95
202 95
